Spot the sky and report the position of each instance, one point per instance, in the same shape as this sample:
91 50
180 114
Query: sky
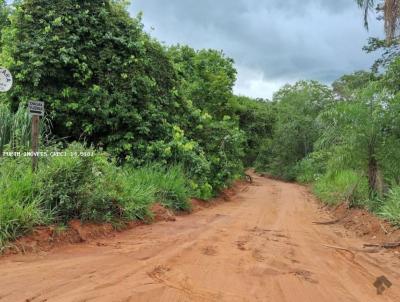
273 42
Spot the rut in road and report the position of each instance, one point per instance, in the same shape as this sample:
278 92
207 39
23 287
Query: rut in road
261 246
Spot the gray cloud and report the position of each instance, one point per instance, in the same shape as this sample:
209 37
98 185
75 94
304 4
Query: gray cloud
271 41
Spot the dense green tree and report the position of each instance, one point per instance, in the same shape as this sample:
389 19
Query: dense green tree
295 130
256 118
347 86
207 78
102 78
355 132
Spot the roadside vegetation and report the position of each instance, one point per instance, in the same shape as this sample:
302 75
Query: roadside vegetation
89 188
138 122
344 140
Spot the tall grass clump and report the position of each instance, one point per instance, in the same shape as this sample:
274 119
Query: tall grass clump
5 122
131 194
390 209
170 185
134 190
20 208
345 185
15 129
71 186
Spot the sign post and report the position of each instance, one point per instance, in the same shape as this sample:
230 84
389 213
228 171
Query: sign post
36 109
6 82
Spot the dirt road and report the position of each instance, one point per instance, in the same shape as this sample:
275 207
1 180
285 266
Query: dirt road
260 246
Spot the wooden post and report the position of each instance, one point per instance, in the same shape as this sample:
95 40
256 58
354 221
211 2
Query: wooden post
35 141
36 109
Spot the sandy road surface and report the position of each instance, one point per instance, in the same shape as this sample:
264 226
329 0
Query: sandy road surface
261 246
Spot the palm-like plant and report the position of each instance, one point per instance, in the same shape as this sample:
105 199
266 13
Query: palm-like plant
356 131
391 14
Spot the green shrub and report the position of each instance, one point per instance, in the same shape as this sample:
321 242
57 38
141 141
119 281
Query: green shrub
92 188
223 144
311 168
70 186
341 186
391 207
202 191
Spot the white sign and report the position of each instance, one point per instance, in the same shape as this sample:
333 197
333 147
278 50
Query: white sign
36 108
6 80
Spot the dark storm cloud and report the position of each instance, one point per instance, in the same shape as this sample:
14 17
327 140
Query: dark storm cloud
272 41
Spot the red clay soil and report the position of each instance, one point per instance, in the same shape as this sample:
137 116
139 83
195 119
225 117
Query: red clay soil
262 245
43 239
366 225
47 238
